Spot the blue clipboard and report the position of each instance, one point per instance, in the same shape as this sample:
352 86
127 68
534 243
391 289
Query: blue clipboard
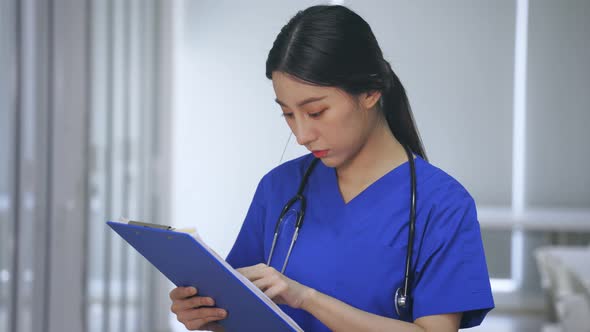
186 262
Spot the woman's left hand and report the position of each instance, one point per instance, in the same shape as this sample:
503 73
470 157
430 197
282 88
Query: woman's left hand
276 286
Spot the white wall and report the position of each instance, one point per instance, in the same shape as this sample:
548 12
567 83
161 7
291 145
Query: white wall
558 94
227 130
456 60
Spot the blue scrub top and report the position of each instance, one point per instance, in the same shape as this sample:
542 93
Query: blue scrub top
356 251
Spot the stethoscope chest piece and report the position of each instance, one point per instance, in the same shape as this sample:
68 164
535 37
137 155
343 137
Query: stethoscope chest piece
401 303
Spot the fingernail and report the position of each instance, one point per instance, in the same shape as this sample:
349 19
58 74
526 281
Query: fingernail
222 313
192 291
211 302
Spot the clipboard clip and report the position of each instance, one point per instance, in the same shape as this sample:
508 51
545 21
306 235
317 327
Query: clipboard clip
146 224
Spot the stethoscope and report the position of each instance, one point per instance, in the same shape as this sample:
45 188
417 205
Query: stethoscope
402 298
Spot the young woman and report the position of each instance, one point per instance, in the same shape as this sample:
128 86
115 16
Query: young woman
359 263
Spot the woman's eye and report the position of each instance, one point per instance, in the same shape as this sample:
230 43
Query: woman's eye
315 114
287 115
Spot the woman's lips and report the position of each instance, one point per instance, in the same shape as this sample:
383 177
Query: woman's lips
320 153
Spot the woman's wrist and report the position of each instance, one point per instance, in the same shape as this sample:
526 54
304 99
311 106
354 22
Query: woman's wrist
308 299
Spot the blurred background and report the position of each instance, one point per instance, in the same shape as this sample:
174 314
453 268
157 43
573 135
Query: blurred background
160 111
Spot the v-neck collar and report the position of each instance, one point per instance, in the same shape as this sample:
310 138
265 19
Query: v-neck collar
331 202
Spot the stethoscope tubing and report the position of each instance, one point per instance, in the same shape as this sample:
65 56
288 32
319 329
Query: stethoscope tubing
300 216
402 295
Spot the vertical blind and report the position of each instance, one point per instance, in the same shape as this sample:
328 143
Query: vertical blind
81 130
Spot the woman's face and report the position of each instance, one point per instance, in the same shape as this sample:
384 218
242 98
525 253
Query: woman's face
326 120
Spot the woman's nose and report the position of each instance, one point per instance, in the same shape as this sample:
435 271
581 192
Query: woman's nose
304 132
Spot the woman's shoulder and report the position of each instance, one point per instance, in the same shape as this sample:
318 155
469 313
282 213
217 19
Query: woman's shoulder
446 204
439 187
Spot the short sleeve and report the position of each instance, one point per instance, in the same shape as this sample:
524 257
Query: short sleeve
248 249
451 272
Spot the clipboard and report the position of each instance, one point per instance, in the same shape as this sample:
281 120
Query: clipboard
188 261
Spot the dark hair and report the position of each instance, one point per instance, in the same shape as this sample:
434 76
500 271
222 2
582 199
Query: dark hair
333 46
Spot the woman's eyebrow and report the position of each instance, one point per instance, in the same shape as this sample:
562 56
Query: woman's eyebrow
303 102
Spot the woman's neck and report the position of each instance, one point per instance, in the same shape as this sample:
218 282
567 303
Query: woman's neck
380 154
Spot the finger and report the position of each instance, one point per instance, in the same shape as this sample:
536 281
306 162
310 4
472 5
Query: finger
179 293
204 323
201 313
213 326
264 283
250 269
275 290
191 303
256 272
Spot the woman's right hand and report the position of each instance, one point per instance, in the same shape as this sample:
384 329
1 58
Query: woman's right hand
195 312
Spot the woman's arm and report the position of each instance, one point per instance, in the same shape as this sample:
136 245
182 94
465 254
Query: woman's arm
339 316
335 314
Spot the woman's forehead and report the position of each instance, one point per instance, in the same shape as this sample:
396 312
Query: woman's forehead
290 89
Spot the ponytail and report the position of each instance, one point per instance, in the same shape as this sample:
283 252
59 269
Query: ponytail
398 113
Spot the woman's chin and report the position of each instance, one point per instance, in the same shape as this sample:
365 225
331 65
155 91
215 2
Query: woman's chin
330 161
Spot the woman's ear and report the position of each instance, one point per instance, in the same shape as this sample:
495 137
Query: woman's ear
369 99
